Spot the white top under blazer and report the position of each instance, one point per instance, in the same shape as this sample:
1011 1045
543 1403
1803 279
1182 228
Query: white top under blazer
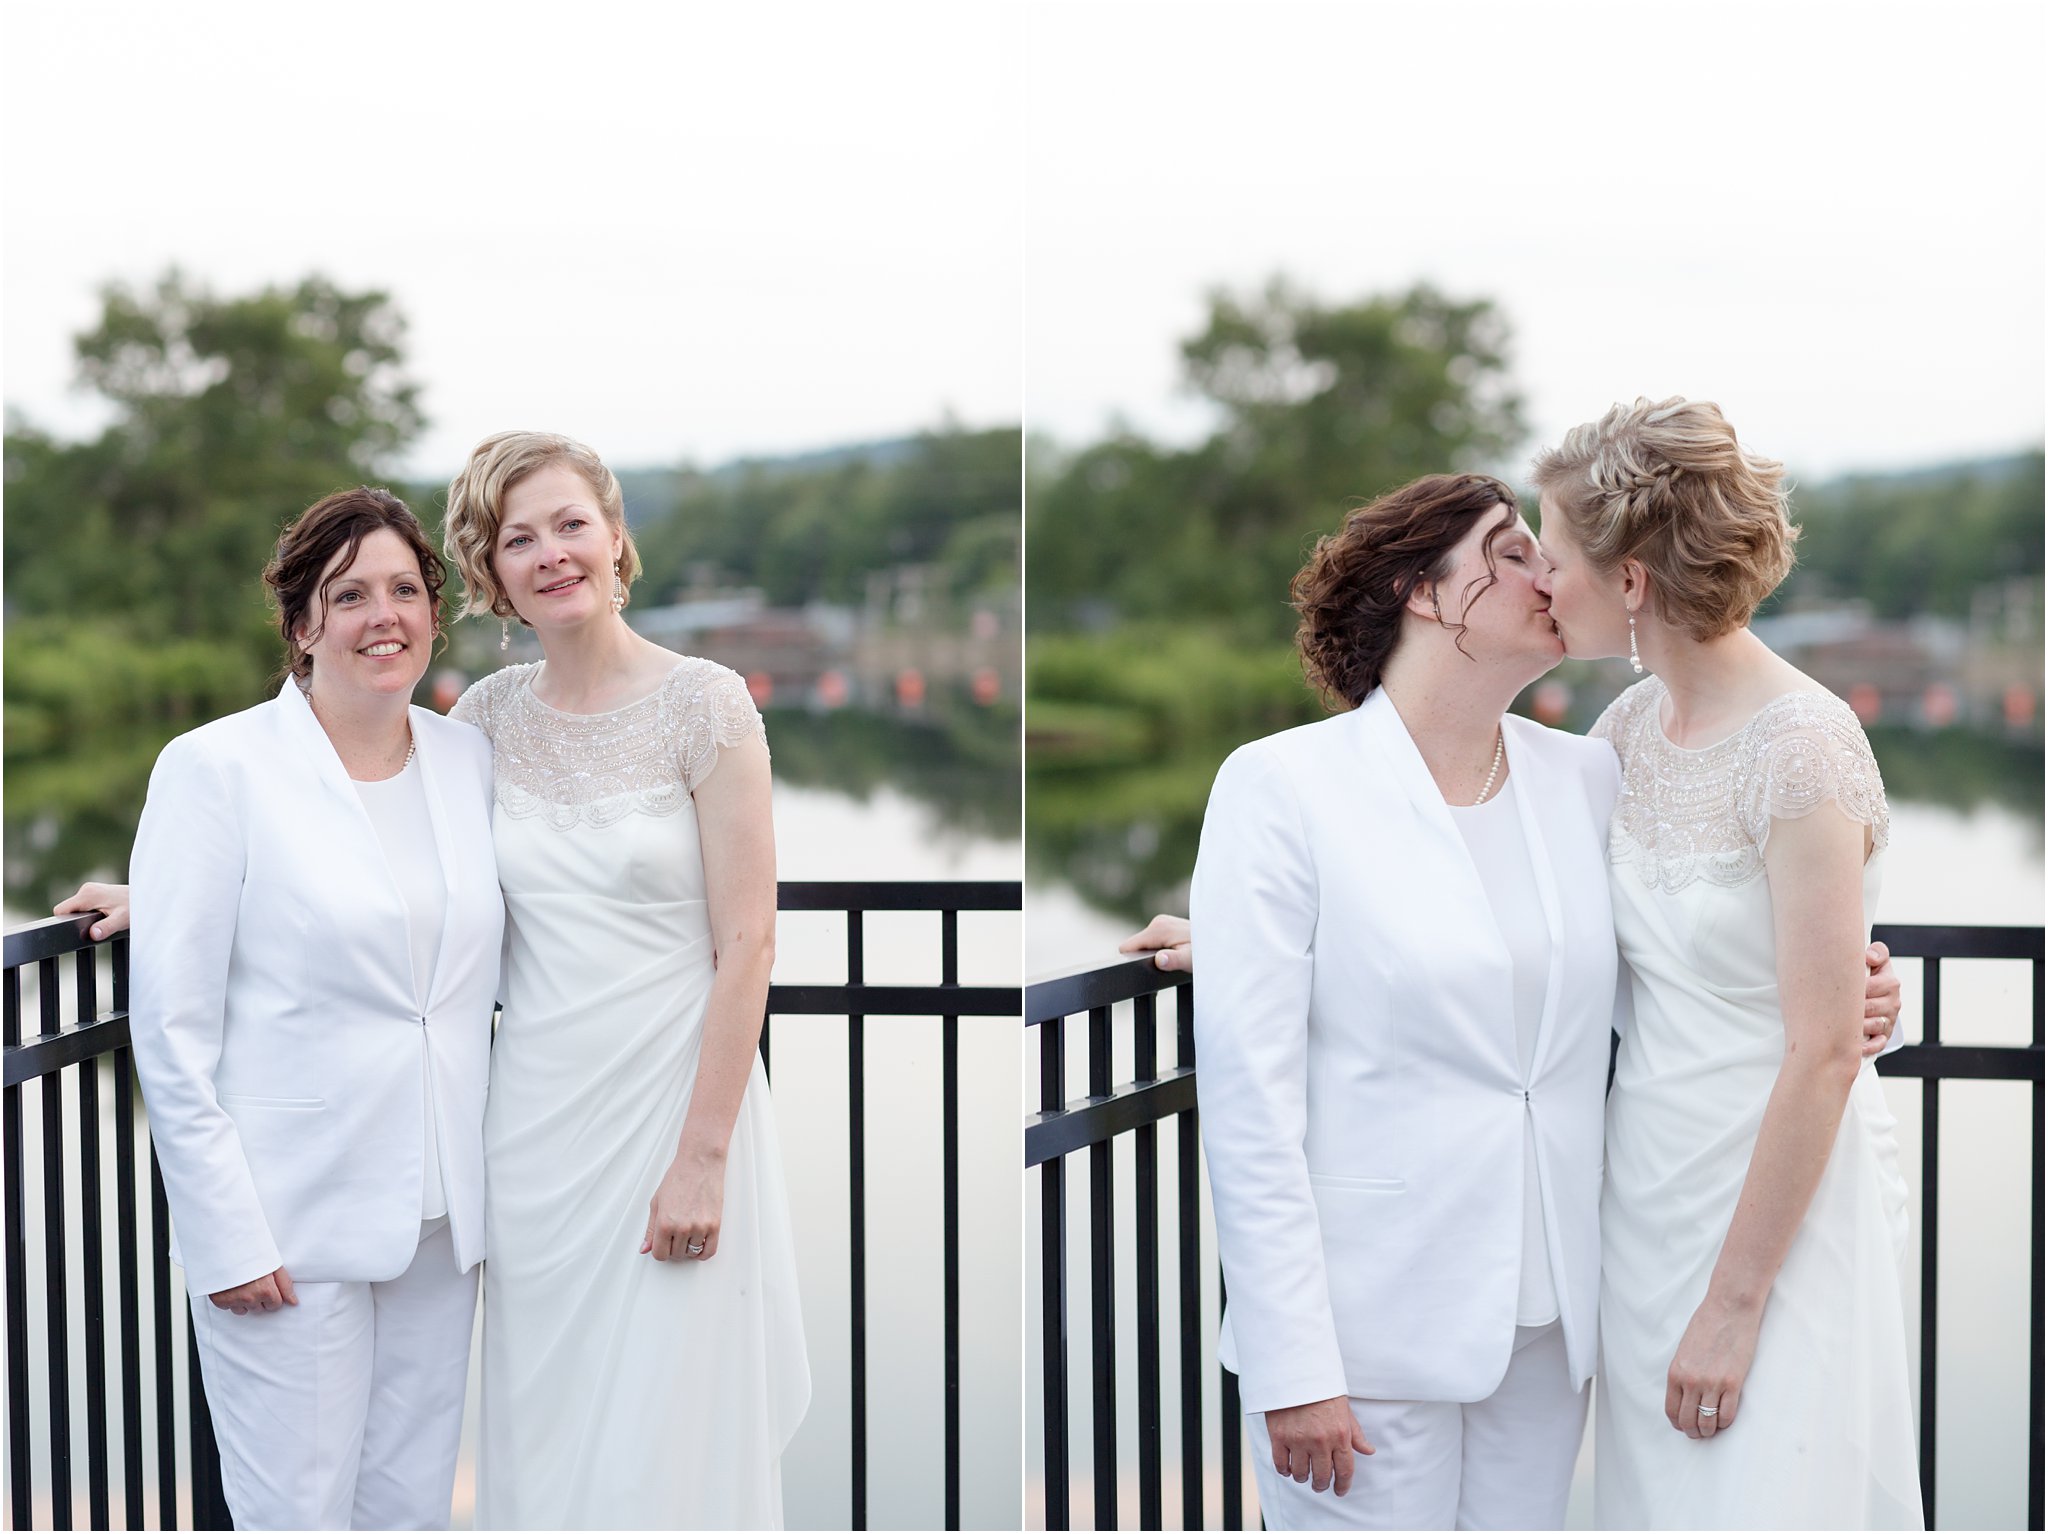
1363 1103
285 1055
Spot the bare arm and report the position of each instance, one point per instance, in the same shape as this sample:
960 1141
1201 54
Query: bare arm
738 838
1815 868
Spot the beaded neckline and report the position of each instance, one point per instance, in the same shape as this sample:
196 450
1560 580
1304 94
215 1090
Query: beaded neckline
642 701
1704 812
645 757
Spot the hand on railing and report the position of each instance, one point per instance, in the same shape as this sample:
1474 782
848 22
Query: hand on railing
111 898
1168 939
1316 1442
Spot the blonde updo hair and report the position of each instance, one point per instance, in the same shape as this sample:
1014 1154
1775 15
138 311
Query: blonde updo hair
1668 485
476 510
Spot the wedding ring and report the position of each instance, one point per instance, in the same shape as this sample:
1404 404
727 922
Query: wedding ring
694 1247
1710 1411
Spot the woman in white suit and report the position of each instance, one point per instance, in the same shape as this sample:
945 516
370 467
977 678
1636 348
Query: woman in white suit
1408 982
317 938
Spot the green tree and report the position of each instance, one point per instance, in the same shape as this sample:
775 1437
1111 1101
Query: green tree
1320 406
134 602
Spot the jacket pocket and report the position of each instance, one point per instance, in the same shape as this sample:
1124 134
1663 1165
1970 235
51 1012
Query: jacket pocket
1359 1184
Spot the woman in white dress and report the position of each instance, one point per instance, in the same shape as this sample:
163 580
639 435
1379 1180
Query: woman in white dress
644 1362
1753 1224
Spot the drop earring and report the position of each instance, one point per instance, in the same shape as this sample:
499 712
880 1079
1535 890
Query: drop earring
1634 659
505 634
618 589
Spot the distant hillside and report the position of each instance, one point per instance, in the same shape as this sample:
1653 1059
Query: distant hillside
1920 540
654 492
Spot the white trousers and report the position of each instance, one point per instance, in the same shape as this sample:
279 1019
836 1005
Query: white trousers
345 1410
1501 1463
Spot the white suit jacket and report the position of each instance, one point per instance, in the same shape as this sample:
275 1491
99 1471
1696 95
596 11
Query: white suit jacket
278 1034
1361 1094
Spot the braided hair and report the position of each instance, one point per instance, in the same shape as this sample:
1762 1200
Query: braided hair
1667 484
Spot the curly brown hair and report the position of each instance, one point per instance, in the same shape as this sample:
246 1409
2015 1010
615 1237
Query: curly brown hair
338 524
1356 583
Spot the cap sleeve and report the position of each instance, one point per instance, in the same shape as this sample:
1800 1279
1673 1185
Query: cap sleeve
1617 719
712 712
1810 752
475 704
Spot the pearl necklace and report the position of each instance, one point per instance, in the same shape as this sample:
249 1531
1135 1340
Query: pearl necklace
1500 747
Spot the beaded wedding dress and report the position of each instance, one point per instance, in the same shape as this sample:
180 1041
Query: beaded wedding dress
620 1392
1824 1436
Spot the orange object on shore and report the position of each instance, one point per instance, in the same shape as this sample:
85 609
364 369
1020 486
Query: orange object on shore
1867 702
832 689
2019 704
987 686
760 687
910 687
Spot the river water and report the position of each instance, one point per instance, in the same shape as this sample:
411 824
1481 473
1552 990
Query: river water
1981 865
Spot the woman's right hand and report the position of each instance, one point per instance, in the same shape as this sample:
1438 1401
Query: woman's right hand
111 898
270 1292
1169 940
1316 1442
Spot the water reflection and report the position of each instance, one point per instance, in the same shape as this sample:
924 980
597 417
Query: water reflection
1124 837
71 818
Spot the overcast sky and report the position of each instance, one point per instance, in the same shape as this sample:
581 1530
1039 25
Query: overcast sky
1827 217
676 230
690 231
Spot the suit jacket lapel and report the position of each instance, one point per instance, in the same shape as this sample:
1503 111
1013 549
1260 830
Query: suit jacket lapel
438 811
1532 792
1442 843
347 831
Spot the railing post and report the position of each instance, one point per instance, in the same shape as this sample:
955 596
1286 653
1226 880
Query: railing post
1052 1258
1930 1225
949 1138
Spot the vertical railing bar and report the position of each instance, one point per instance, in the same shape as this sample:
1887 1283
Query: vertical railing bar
767 1061
1930 1224
949 1137
857 1257
160 1338
1102 1280
93 1258
1188 1194
1231 1406
1052 1256
1145 1067
127 1258
209 1496
18 1446
57 1317
2039 1231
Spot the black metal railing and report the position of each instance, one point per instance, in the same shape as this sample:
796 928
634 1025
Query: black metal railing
1108 1111
94 1051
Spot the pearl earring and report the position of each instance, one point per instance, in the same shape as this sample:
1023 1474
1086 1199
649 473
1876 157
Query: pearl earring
504 633
1634 659
618 589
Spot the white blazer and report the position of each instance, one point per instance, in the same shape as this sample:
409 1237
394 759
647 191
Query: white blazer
1361 1094
278 1035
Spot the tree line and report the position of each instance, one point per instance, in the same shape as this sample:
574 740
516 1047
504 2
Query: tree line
134 605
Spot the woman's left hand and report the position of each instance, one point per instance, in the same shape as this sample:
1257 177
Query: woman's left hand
684 1214
1712 1361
